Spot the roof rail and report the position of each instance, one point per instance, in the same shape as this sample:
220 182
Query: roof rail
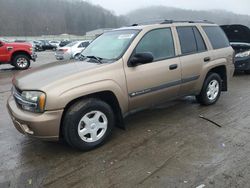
186 21
162 21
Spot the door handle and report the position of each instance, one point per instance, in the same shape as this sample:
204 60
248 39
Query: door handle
172 67
207 59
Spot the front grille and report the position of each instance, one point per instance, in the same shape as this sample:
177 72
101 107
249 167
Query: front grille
17 94
19 91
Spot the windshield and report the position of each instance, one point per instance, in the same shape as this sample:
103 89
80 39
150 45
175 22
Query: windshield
110 45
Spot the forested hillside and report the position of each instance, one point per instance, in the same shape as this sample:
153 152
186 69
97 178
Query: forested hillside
43 17
217 16
52 17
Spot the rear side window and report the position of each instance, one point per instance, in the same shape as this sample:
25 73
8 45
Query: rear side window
216 36
199 40
191 40
159 42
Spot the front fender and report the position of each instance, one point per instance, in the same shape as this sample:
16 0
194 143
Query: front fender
64 98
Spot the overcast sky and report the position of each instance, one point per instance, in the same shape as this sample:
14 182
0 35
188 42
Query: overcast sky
123 7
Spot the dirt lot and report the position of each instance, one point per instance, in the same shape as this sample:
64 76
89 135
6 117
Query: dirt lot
168 146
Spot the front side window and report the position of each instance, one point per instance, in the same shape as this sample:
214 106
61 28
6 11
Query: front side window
158 42
216 36
191 40
111 45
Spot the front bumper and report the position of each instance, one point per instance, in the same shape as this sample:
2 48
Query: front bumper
44 126
34 57
242 64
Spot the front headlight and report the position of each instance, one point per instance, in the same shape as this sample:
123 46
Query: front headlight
33 101
243 54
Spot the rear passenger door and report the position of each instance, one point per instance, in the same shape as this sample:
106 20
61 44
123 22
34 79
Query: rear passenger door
193 56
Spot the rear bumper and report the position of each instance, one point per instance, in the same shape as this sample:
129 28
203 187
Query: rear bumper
44 126
64 56
242 64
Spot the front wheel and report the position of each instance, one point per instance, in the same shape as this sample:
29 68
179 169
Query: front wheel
88 124
21 62
211 90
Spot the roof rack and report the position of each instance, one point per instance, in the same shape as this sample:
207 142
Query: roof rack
170 22
185 21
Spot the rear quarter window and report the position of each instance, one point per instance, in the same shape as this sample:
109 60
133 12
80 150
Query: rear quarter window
216 36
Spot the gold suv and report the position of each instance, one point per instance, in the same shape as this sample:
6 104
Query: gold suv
121 71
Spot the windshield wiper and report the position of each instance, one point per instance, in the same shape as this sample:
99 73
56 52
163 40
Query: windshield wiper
99 59
81 57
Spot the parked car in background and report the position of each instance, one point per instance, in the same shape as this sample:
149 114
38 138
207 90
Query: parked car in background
64 43
239 37
37 45
18 54
71 51
55 43
45 45
124 70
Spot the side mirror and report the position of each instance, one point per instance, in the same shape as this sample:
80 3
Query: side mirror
141 58
1 43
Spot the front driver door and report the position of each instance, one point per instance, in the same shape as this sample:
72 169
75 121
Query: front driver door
151 83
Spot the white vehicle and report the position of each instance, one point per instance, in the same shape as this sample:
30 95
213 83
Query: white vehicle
72 50
55 43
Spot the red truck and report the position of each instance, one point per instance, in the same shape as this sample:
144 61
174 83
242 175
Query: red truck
18 55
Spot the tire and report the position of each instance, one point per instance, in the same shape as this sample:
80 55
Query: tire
247 71
76 56
21 62
88 124
214 83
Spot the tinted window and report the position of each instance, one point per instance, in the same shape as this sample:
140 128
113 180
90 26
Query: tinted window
216 36
187 40
191 40
159 42
199 40
85 44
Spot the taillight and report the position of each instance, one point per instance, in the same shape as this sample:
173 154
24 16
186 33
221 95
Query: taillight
63 50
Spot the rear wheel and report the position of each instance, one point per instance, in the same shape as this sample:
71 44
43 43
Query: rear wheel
77 56
21 62
88 124
211 90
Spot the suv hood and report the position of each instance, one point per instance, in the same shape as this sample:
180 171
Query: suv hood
237 33
37 78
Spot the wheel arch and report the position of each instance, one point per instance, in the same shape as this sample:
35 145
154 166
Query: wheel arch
222 71
107 96
20 52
